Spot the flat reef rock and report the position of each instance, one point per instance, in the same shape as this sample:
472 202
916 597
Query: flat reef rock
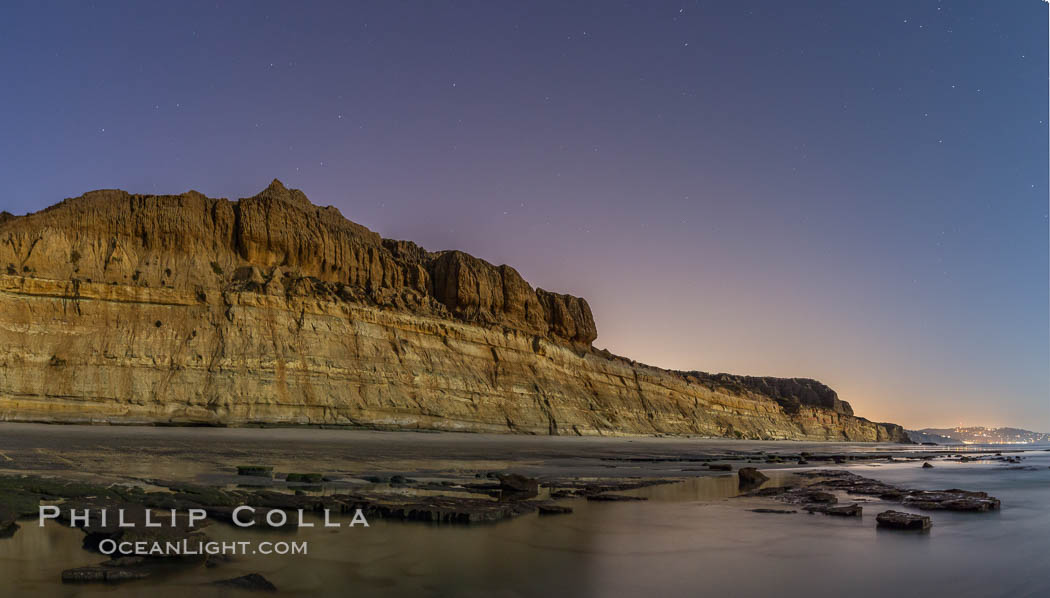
183 309
819 493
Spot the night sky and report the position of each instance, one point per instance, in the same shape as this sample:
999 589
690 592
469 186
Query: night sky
850 191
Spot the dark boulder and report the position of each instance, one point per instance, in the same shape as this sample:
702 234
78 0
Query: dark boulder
252 582
902 521
517 486
751 477
8 527
817 496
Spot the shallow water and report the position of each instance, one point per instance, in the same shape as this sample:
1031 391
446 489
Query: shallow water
689 539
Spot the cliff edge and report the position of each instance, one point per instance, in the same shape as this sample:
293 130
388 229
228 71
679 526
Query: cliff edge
125 308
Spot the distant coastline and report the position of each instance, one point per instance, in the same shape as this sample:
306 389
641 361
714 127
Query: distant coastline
979 435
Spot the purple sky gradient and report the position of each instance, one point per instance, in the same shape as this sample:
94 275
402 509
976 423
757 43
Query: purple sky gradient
854 192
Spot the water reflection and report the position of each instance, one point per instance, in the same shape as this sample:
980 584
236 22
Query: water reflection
710 488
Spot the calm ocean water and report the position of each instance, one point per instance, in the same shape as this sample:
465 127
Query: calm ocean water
689 539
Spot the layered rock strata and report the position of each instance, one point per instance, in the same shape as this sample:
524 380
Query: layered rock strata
184 309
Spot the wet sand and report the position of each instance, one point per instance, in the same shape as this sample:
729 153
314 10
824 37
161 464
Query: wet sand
194 454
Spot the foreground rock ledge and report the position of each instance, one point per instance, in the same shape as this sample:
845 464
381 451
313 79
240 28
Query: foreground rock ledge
818 497
183 309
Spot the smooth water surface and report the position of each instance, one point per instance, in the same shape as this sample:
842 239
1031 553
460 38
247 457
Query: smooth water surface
689 539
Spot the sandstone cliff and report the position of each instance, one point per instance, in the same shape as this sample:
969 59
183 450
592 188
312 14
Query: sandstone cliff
128 308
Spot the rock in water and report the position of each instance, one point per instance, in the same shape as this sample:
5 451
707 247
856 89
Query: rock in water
183 309
951 500
8 517
103 574
517 486
818 497
252 582
902 521
927 465
8 528
751 477
853 510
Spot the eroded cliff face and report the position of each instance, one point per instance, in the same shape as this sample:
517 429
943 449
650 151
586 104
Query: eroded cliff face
185 309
